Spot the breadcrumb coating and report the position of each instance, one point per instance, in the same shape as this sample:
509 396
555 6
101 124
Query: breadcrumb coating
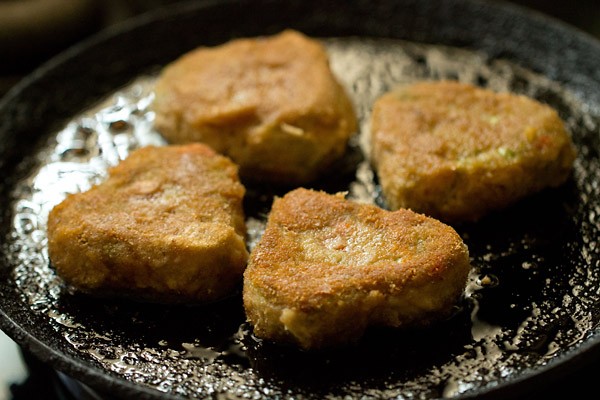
167 225
327 268
272 104
457 152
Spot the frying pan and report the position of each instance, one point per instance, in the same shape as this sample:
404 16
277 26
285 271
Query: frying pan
534 318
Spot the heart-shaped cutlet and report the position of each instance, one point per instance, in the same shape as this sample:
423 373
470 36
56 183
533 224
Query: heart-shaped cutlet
167 225
327 268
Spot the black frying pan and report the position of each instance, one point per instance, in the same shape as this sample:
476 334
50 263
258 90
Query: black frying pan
541 254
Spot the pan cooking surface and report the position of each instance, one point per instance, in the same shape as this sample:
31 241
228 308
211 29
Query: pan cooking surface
532 295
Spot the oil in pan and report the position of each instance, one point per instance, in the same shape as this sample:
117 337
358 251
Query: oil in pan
529 298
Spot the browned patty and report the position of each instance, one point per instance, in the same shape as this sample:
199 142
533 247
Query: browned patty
456 152
272 104
326 268
167 225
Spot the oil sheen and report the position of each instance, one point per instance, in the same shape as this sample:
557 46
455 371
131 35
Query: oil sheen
530 296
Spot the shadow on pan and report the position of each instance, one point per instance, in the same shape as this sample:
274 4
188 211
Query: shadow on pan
540 257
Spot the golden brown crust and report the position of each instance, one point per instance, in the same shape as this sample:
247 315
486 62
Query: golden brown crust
456 152
167 225
326 268
271 104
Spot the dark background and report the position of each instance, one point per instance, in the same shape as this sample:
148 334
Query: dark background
27 43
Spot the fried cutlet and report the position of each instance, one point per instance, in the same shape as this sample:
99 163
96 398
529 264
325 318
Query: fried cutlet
456 152
167 225
327 268
272 104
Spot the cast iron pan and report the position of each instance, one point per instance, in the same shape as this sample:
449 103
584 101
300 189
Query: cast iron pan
532 306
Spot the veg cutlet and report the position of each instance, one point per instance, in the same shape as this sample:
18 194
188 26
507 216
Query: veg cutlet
327 268
456 152
167 225
272 104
